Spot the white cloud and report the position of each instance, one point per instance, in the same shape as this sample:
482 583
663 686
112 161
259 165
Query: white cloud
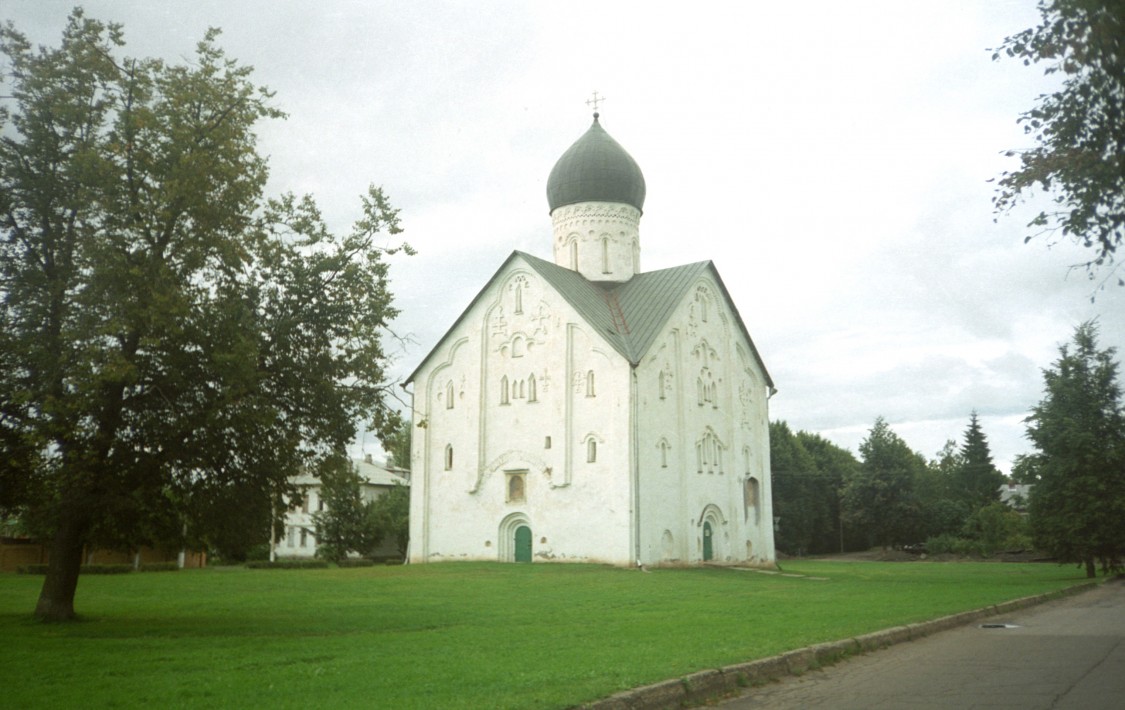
831 158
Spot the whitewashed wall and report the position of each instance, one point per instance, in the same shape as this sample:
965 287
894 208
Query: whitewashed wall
703 434
577 510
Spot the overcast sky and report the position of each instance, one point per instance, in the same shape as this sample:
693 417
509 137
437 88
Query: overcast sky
831 158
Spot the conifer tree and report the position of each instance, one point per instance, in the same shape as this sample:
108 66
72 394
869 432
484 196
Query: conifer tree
976 480
1077 501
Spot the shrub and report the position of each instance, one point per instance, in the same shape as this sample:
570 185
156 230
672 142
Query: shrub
356 562
106 569
85 569
288 564
160 567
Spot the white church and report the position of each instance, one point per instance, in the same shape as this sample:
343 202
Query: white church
581 410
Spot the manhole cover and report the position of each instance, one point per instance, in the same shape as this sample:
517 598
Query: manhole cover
999 626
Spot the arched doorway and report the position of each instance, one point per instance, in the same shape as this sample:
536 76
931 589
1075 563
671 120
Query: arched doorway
514 538
523 544
708 549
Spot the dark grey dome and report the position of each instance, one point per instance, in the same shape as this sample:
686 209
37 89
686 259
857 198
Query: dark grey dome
595 169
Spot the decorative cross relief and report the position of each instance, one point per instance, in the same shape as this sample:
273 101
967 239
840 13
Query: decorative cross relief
499 323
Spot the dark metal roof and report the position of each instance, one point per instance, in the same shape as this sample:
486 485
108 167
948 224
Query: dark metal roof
595 169
628 315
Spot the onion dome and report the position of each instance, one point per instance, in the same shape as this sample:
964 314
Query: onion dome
596 169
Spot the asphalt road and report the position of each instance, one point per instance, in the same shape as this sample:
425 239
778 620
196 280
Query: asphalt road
1068 653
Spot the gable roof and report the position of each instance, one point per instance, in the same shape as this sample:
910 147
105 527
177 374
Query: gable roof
627 315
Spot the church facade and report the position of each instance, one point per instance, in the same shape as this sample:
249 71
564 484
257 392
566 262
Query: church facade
583 410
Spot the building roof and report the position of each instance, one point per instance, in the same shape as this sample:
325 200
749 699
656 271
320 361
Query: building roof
596 169
373 474
627 315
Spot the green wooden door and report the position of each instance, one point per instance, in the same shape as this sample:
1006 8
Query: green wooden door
523 544
708 553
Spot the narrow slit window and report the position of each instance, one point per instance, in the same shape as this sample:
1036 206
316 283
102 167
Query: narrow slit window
590 383
591 450
449 457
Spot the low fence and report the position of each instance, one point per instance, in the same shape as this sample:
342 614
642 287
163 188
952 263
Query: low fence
17 552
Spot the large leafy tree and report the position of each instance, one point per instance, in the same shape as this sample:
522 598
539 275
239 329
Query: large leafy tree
807 472
975 480
1078 157
1077 501
880 497
940 510
795 483
167 334
834 465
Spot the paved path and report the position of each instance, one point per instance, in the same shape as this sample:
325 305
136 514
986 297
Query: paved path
1068 653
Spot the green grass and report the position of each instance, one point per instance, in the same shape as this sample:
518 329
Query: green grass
453 635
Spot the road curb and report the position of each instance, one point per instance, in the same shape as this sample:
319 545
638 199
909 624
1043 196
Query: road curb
705 685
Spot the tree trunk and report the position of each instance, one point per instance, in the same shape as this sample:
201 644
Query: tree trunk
1091 569
56 600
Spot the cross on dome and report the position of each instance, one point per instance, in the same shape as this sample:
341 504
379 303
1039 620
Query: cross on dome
594 101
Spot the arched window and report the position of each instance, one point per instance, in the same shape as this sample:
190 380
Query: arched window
531 388
605 255
750 498
663 446
449 457
504 389
591 450
574 254
517 491
590 383
519 345
709 453
519 298
660 384
449 396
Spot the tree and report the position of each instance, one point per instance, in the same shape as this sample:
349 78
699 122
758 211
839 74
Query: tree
975 480
1079 130
167 332
347 523
1077 505
940 510
879 497
398 444
833 465
391 512
793 477
807 471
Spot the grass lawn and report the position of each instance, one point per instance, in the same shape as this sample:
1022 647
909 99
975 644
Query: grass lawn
456 634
